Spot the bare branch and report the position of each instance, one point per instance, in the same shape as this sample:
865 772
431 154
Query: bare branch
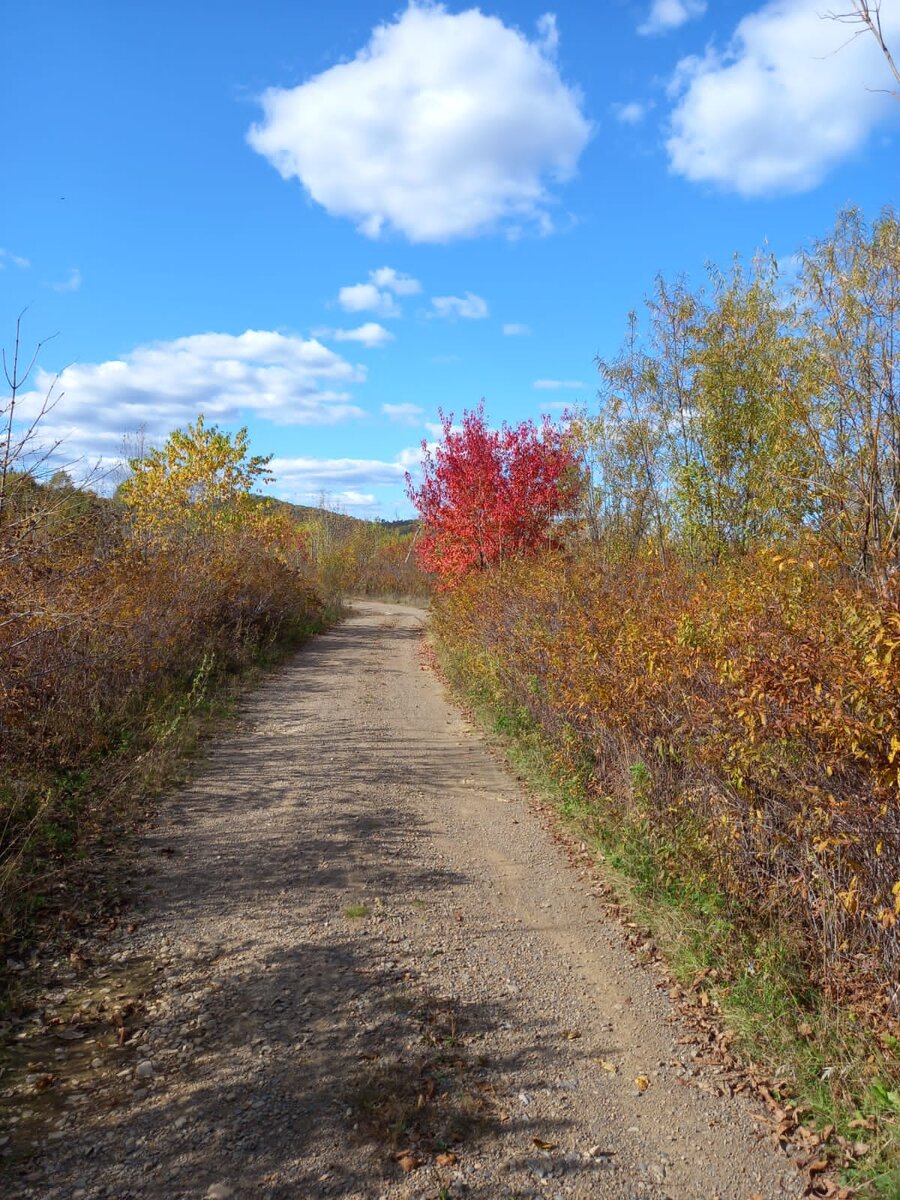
866 15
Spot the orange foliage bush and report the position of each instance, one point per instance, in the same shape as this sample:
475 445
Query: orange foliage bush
100 637
760 700
103 636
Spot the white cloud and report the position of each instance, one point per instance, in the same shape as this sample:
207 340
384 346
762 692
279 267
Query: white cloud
470 306
341 480
445 125
7 256
665 15
72 284
366 297
394 281
406 414
782 105
789 267
355 501
378 294
436 429
631 113
287 380
555 385
371 334
410 459
514 329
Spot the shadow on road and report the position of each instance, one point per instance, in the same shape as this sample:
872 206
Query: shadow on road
336 1038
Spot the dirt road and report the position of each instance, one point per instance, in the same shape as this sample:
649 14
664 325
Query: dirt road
369 971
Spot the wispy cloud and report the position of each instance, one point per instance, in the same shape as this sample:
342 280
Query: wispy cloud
404 414
341 481
7 258
395 281
666 15
630 113
71 284
371 335
470 306
513 329
556 385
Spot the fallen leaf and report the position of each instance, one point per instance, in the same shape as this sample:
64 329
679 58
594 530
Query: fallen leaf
805 1030
571 1034
408 1162
815 1168
642 1083
446 1160
608 1066
542 1145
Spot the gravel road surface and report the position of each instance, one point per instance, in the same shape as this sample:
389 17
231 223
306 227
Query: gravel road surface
358 964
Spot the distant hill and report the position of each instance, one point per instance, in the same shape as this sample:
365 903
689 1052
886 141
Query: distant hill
338 520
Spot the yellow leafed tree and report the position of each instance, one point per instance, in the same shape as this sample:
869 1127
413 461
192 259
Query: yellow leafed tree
199 485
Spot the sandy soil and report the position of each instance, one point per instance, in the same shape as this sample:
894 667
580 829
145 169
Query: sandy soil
358 964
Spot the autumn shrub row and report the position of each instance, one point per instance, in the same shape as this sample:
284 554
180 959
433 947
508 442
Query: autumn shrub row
743 718
364 558
111 630
102 636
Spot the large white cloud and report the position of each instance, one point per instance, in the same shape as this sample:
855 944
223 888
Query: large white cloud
787 100
445 125
158 387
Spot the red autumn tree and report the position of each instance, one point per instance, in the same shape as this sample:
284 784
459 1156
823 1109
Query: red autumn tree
488 495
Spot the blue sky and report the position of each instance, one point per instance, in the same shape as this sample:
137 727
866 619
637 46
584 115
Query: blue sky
326 222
